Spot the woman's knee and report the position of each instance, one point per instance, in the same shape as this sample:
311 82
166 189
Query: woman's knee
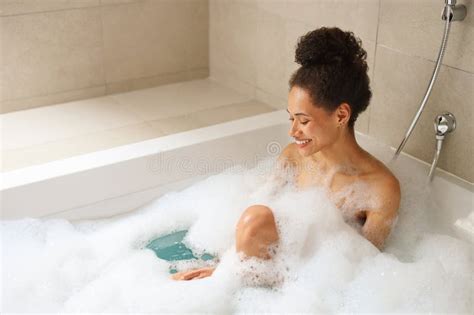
256 215
256 230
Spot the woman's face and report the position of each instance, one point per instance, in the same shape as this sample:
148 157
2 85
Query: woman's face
312 127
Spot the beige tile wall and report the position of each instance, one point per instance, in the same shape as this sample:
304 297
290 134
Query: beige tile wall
408 41
64 50
252 42
55 51
252 47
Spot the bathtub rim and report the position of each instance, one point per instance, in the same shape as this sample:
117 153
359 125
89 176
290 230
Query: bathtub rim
69 166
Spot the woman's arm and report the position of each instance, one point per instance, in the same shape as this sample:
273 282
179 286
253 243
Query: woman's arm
378 226
379 222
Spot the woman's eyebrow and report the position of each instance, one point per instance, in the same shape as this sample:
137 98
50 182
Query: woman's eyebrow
298 114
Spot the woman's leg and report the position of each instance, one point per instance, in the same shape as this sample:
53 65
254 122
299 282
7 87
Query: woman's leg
256 231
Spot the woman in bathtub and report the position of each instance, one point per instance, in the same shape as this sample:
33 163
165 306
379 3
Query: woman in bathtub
327 93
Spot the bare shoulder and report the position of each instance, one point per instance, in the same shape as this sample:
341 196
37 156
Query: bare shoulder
289 156
386 187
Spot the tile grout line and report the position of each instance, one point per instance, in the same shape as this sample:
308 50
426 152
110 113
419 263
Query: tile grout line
375 59
50 11
106 83
164 74
104 69
94 87
424 58
66 9
53 94
75 136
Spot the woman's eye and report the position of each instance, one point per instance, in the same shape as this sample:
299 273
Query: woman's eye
301 122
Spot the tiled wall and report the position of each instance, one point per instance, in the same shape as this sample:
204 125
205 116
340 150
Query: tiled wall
55 51
63 50
252 45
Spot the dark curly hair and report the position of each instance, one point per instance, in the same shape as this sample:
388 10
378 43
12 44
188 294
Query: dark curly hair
333 70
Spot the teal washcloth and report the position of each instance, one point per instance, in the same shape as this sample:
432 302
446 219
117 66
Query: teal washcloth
170 247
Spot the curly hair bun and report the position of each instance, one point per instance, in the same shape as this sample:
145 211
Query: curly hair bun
329 46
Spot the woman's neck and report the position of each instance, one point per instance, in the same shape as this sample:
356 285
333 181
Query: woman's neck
344 153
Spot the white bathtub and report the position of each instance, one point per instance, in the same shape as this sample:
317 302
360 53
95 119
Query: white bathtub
119 180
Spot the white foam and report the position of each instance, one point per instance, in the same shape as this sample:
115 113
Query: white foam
321 264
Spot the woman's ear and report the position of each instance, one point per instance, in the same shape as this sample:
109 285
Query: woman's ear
343 113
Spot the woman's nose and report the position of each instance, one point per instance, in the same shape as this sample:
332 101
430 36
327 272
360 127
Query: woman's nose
293 130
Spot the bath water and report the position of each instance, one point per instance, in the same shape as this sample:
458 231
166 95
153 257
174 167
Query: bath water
320 265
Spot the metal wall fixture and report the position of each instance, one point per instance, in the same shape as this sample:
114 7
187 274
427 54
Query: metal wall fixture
443 124
451 12
456 13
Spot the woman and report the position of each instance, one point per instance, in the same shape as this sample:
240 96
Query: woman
327 93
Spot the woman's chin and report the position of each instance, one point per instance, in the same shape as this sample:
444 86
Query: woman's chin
305 151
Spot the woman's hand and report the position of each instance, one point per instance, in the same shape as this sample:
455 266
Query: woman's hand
193 274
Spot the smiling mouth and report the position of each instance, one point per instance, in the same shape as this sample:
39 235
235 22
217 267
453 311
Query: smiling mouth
302 141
